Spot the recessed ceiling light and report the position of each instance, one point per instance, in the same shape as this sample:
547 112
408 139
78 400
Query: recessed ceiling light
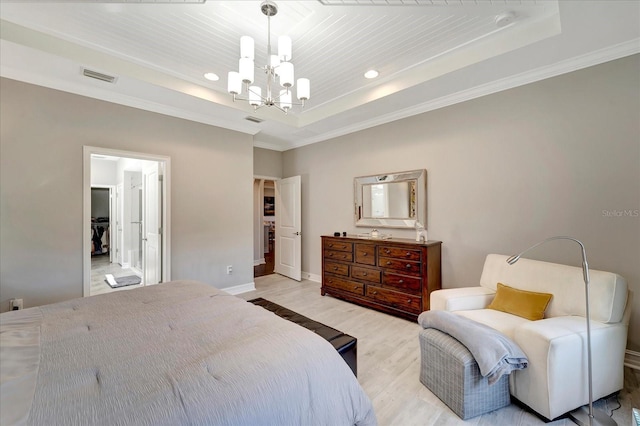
371 74
504 19
211 76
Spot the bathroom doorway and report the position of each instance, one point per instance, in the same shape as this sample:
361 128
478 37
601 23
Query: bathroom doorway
126 217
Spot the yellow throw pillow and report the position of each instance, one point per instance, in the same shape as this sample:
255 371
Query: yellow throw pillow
525 304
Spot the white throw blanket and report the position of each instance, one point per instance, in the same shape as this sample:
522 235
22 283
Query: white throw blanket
494 352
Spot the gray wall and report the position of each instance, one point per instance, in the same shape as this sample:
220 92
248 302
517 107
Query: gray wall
267 163
41 139
560 156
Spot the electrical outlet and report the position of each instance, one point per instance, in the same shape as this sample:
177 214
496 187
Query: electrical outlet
229 269
16 304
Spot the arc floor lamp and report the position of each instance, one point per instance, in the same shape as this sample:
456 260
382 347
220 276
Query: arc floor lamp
584 416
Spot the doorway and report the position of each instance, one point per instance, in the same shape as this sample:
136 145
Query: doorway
265 221
126 236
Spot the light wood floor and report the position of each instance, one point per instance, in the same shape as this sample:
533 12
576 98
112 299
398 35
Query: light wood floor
100 266
389 361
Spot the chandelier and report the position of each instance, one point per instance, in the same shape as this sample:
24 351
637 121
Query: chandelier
278 66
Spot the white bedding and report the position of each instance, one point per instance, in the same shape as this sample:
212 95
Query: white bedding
171 354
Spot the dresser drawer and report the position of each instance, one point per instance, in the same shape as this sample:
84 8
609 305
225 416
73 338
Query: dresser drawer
366 254
338 255
372 275
344 285
407 266
337 268
399 253
402 282
338 245
395 299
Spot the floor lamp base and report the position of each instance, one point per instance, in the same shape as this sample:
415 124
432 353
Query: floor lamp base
580 416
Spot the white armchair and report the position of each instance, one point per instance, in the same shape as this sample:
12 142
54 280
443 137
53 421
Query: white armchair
556 380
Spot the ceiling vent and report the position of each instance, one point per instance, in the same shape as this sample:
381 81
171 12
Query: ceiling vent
254 119
98 75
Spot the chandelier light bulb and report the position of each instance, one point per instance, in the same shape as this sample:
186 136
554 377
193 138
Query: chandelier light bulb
286 74
285 99
246 47
234 83
246 70
303 89
284 48
274 62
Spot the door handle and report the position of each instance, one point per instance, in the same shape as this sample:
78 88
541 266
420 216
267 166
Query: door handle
297 233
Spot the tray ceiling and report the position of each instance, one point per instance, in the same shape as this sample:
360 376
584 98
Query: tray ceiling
424 51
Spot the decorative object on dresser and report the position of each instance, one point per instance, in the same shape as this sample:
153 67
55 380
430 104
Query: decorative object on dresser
395 276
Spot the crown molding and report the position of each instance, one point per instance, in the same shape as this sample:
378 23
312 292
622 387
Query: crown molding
611 53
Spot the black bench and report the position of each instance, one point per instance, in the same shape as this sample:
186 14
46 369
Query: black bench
345 345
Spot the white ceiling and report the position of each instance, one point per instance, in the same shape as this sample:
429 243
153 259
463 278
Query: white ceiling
430 54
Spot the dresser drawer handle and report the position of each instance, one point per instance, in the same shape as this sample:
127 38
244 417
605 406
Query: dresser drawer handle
401 282
387 251
364 254
335 268
408 266
408 254
344 256
356 288
330 254
388 262
408 300
364 274
374 292
331 245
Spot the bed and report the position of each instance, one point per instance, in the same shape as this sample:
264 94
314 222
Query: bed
176 353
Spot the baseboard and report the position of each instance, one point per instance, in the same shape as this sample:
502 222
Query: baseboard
311 277
632 359
242 288
260 261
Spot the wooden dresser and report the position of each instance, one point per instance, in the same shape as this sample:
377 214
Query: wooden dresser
394 276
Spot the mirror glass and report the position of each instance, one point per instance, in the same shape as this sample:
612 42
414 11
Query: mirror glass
393 200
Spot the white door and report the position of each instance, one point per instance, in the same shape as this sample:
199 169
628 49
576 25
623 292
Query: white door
113 211
288 255
151 225
117 225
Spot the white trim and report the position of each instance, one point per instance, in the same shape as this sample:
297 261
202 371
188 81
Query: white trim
242 288
260 261
86 207
268 145
266 177
632 359
618 51
311 277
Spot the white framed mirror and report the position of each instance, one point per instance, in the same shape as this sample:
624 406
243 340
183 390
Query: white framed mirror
391 200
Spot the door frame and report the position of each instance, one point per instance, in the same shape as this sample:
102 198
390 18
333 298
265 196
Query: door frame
258 234
112 190
86 209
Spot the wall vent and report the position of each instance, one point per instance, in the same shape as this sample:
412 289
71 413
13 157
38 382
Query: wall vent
254 119
98 75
